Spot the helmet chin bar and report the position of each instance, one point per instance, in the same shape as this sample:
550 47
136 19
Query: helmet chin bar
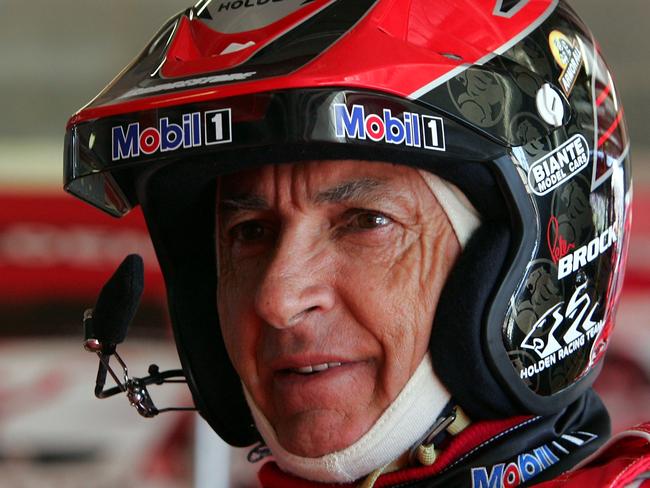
106 325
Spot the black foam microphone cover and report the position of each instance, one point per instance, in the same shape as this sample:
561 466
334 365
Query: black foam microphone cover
118 301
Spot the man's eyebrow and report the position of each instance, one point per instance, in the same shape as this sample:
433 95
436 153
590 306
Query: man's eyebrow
243 202
350 190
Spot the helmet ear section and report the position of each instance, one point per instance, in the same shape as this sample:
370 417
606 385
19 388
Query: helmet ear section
457 336
181 219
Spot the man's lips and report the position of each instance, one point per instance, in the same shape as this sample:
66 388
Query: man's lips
316 382
315 368
308 364
294 384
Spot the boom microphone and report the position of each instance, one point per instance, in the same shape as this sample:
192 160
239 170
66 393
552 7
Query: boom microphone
105 327
116 306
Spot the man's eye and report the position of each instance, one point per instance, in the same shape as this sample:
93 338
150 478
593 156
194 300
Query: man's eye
250 231
368 220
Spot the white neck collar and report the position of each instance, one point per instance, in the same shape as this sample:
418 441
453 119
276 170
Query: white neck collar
403 424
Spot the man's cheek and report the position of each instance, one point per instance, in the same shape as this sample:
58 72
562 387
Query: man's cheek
229 309
404 271
236 335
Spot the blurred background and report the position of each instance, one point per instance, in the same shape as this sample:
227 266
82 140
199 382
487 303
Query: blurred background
55 255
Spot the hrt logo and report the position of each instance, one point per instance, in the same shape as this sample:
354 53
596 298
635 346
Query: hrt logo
411 129
523 468
193 131
548 337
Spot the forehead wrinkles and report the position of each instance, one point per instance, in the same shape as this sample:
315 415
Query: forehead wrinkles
277 185
301 183
325 182
322 182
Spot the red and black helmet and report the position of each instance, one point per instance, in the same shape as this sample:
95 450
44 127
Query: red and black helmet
510 100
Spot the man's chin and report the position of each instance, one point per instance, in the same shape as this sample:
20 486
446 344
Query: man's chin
325 412
317 433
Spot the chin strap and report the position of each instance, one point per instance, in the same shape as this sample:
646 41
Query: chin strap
424 452
453 424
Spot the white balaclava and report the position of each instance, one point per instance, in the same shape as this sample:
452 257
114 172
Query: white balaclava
412 413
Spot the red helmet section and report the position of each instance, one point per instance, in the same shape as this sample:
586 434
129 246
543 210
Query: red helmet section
197 48
429 44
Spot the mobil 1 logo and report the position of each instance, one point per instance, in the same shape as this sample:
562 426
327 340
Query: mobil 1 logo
407 128
217 124
189 131
433 135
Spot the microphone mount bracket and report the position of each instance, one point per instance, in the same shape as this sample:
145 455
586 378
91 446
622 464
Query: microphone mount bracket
134 388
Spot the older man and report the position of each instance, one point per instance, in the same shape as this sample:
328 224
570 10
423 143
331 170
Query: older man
393 233
330 273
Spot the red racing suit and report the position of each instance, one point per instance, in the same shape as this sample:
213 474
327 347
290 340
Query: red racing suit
567 449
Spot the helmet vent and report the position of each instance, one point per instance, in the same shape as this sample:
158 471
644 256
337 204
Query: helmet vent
452 56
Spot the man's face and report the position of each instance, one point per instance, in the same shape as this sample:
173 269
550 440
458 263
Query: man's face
329 276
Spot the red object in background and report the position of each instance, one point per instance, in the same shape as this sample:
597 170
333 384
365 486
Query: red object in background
637 275
53 247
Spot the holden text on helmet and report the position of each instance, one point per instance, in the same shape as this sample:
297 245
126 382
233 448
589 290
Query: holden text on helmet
410 129
243 3
192 131
587 253
559 166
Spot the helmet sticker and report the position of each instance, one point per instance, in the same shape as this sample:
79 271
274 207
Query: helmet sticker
551 340
232 16
560 313
412 129
572 262
558 245
559 166
192 130
568 56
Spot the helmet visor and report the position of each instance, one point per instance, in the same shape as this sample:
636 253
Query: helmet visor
104 157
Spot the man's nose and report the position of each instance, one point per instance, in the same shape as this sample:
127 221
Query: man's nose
295 284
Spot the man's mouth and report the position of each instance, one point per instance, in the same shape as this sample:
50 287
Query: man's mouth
314 368
301 384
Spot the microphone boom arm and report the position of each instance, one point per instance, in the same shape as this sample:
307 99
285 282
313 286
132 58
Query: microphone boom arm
114 309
